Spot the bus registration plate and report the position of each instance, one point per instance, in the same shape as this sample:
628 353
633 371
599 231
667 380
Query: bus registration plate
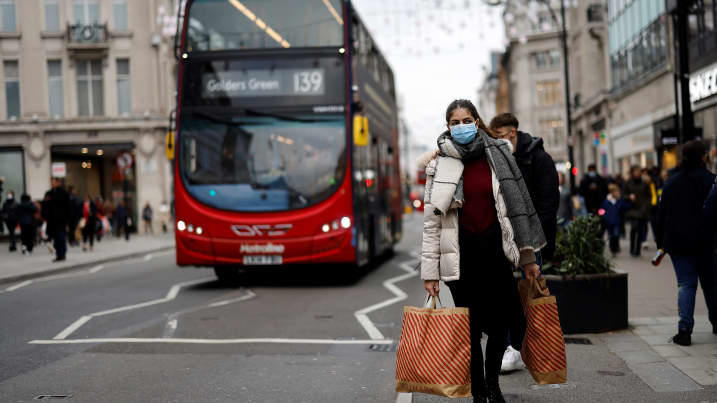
262 259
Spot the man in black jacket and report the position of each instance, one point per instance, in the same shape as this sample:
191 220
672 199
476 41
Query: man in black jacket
684 232
541 178
58 202
593 189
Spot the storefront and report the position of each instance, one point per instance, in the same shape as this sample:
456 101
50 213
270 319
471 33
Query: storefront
12 171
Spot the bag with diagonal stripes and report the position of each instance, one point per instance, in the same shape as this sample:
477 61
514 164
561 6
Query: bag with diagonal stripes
434 353
543 346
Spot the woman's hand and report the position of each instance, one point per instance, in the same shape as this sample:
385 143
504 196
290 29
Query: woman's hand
531 270
432 287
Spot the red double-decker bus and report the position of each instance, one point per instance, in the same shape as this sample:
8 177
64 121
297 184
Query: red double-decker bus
287 140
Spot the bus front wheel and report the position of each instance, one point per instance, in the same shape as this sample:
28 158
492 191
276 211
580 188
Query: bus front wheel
227 274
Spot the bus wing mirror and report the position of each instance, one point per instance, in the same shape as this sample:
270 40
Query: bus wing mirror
361 133
169 145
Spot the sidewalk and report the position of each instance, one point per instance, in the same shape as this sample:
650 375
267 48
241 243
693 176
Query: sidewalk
14 266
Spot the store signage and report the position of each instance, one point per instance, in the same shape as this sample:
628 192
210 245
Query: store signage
263 83
59 170
124 160
703 84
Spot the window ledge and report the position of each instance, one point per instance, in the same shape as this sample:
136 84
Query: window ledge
121 34
52 34
10 35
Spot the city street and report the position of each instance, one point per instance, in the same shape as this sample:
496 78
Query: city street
145 330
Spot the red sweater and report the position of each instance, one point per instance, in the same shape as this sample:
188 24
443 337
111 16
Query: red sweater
479 206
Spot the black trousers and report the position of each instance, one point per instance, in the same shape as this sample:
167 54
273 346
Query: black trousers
27 235
486 286
638 229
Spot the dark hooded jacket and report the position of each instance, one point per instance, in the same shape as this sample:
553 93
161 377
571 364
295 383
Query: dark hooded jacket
541 178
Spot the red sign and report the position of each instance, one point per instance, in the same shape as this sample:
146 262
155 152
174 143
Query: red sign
124 160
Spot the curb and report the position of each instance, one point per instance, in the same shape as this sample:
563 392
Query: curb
71 267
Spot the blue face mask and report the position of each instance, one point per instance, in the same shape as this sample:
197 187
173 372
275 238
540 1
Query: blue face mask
464 133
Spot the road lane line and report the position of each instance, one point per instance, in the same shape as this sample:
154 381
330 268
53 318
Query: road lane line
404 397
96 269
210 341
20 285
148 257
172 294
362 315
170 327
250 294
70 329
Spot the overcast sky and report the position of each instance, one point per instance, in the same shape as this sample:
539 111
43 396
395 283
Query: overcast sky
438 50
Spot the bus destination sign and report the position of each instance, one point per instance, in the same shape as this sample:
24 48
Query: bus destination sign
263 83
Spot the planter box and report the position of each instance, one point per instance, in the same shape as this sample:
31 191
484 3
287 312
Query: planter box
590 303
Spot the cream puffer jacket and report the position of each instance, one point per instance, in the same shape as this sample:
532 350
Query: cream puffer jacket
440 253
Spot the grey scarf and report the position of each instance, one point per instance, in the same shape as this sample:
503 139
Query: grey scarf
522 214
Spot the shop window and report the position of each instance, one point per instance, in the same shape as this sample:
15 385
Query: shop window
12 168
646 53
54 88
7 16
119 12
12 89
90 92
52 15
595 13
124 91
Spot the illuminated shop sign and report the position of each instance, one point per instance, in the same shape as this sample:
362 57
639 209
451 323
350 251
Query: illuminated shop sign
703 84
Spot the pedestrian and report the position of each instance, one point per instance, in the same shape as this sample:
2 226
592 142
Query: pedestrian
593 189
121 217
89 214
99 217
74 217
9 215
565 208
541 178
498 228
683 231
612 209
59 204
28 223
147 219
638 192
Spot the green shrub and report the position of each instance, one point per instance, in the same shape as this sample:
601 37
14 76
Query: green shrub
579 249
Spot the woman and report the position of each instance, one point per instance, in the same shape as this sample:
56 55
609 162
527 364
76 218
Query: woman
89 213
28 223
479 222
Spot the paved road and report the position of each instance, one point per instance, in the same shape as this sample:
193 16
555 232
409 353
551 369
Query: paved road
288 335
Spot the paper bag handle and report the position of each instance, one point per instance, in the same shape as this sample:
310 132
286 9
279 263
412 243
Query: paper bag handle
434 301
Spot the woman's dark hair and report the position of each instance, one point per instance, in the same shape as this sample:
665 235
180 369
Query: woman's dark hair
692 154
466 104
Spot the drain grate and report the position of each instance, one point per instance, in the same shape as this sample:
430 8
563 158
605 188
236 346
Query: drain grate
577 340
611 373
383 348
53 397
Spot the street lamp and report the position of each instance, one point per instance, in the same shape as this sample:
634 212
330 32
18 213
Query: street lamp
566 77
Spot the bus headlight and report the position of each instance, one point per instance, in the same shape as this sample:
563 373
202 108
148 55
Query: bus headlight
199 230
325 228
346 222
181 225
190 228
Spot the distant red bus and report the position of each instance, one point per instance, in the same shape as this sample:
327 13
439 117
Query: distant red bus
268 169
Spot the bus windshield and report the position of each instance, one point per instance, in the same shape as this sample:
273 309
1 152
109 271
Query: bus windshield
262 163
256 24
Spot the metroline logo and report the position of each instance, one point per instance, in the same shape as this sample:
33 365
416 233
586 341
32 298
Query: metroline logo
266 248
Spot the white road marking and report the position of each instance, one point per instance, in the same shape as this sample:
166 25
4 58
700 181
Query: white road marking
19 285
96 269
249 295
148 257
404 397
170 327
362 315
210 341
172 294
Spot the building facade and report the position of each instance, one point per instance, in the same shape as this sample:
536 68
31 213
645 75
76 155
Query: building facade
589 86
88 89
642 119
488 92
535 73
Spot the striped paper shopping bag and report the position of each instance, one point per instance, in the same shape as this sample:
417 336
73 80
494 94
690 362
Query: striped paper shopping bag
434 353
543 346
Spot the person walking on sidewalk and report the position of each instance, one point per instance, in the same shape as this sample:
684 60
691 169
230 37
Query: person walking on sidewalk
613 208
9 215
147 219
59 205
710 212
89 214
74 217
541 178
28 224
638 192
474 251
593 189
684 233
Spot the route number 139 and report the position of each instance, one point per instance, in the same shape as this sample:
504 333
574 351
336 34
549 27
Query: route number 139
306 82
